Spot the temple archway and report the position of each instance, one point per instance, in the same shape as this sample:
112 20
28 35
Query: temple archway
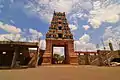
59 34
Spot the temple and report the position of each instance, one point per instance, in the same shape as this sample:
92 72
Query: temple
59 35
59 28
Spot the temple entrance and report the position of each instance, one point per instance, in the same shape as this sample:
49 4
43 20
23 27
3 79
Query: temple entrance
59 35
58 55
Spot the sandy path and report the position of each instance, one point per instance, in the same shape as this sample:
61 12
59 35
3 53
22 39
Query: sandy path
66 72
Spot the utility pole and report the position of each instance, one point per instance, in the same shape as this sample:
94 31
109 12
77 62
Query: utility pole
103 43
15 56
119 46
111 46
97 46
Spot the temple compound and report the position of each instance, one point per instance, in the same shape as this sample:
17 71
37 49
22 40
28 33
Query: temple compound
59 35
14 54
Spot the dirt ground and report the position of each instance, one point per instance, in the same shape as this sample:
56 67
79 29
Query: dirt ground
62 72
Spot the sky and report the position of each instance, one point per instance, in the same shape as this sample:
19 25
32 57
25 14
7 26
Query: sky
90 21
59 50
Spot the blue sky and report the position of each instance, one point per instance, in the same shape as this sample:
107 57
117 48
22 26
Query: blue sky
89 20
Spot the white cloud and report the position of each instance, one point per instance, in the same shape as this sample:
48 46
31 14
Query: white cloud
3 37
99 10
58 50
112 34
45 8
16 34
10 37
81 46
9 28
86 5
96 5
95 23
109 13
62 5
23 39
35 35
86 27
35 32
85 38
72 27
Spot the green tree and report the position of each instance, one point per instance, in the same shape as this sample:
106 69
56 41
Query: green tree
58 58
62 58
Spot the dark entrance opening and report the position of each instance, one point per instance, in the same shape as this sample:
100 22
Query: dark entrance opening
59 35
23 60
6 58
58 55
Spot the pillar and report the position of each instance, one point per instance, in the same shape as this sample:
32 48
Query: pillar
15 56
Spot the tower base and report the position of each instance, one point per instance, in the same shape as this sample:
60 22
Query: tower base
47 60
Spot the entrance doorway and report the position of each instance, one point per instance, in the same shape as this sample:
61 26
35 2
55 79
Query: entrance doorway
6 58
58 55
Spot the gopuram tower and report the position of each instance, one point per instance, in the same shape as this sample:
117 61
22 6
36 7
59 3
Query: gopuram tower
59 35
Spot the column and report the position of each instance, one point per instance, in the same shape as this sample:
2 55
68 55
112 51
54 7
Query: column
15 56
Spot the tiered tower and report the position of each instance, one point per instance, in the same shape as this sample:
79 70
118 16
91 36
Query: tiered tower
59 35
59 27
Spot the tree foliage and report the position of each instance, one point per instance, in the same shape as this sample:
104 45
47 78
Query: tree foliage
58 58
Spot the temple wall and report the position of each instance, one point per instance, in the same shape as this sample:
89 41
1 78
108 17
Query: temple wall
100 58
